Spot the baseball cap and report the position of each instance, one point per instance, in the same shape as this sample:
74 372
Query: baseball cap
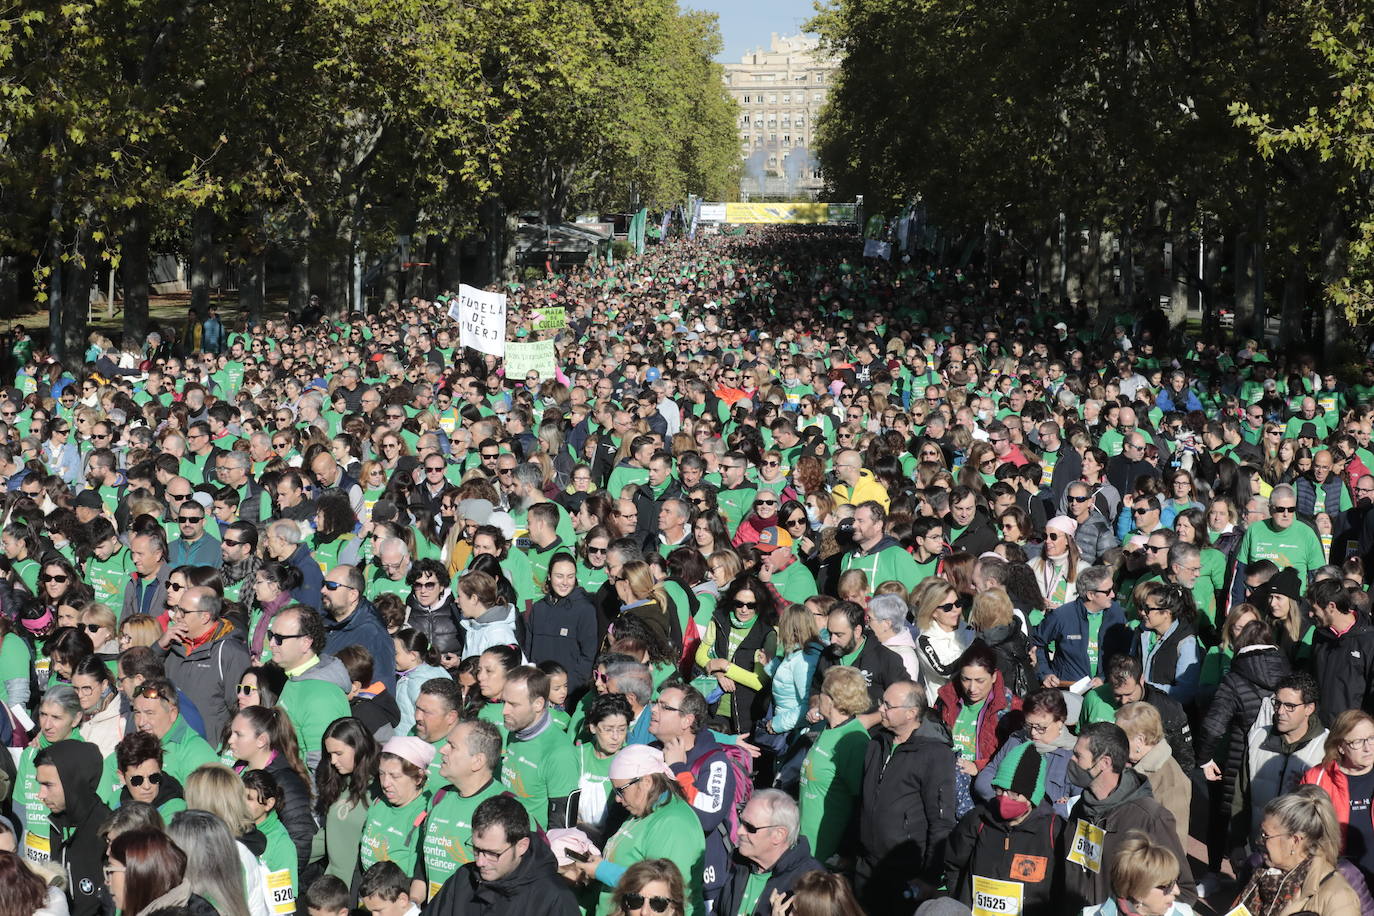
772 538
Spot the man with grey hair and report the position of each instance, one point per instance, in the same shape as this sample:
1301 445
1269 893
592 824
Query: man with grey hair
1075 639
673 531
286 544
233 470
394 561
907 800
772 856
204 656
631 680
1279 540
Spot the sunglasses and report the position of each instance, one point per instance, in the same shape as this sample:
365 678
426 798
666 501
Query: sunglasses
621 790
53 577
246 689
92 627
154 779
657 904
1285 510
190 519
228 543
280 638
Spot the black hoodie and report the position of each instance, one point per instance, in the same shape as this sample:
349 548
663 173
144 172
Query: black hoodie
75 831
534 888
1131 806
984 845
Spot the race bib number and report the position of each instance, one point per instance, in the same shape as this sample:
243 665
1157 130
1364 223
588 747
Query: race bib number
996 898
37 848
281 893
1087 846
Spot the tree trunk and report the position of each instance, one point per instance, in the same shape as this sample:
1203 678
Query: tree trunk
70 347
1127 260
1245 284
1179 265
1335 243
1294 302
298 294
252 284
202 261
1092 269
500 226
135 271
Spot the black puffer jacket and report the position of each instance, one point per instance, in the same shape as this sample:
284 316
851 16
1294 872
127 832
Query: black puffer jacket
1012 647
979 537
439 624
907 812
295 812
1254 673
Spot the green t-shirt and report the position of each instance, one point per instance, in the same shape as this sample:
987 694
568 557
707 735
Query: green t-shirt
280 857
1297 546
966 731
671 831
753 888
447 832
1094 646
183 750
107 578
390 833
539 769
831 779
15 662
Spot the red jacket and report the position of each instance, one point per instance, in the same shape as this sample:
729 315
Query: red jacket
991 732
1329 777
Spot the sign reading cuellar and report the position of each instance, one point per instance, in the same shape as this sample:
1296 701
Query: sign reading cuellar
549 318
481 317
535 356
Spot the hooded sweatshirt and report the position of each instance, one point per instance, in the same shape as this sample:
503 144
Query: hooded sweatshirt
1102 824
887 561
75 831
494 628
533 888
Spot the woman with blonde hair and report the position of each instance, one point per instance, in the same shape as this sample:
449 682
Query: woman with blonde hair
1144 881
215 788
138 630
1300 839
853 586
833 772
994 619
641 596
1150 756
942 635
799 642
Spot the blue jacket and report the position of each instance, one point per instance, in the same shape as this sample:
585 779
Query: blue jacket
1185 402
364 628
312 580
1066 627
204 552
792 677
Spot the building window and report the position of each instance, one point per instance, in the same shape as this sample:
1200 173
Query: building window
773 138
786 139
772 99
820 78
787 100
746 100
801 120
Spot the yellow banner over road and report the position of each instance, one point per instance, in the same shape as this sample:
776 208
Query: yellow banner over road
777 213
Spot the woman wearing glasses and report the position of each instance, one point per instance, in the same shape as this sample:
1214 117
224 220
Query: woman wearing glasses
942 634
591 558
762 514
1347 775
650 888
738 646
662 825
103 721
1145 882
1167 644
272 587
1300 840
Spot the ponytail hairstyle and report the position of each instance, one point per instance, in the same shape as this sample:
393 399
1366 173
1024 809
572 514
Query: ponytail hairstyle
281 736
413 640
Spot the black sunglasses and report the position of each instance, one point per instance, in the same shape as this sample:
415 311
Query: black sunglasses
154 779
657 904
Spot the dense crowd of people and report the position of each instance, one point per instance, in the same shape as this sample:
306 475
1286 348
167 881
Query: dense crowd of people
799 584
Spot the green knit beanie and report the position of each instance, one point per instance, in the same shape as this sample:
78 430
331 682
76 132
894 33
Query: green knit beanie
1023 772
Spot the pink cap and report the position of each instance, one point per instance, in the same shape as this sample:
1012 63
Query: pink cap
1063 524
638 760
415 750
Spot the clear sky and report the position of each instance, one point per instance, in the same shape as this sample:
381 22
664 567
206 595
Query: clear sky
747 24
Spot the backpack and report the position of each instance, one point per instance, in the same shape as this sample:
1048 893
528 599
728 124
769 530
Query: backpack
741 767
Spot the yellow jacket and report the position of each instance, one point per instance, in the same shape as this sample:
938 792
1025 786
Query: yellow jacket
867 488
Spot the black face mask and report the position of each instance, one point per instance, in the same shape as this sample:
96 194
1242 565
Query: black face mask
1078 776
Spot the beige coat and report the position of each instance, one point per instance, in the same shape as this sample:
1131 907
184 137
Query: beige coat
1325 892
1170 787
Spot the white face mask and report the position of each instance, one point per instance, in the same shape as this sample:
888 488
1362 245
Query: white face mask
813 517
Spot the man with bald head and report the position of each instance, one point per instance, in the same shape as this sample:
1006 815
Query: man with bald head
330 476
1125 469
205 656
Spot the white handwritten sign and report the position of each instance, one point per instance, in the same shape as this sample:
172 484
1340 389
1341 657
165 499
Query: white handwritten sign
481 318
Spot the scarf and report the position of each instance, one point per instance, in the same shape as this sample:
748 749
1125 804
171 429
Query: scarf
1270 890
238 572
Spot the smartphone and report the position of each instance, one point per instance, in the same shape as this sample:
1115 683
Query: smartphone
578 856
